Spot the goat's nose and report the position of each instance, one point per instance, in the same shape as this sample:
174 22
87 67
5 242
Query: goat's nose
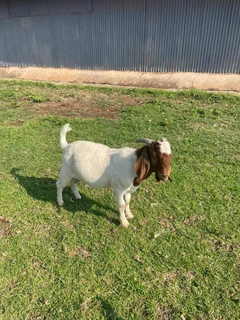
166 177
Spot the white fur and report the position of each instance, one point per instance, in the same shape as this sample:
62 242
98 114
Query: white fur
63 141
165 146
98 166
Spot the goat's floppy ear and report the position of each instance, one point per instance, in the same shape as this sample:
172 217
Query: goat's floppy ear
142 165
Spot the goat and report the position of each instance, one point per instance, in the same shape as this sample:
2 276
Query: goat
122 169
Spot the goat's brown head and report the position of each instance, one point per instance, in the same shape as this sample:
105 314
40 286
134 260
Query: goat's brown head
155 157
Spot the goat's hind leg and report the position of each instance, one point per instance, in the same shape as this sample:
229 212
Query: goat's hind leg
74 188
60 185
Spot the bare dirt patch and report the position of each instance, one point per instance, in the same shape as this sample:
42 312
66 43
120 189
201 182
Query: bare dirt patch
5 225
73 108
89 105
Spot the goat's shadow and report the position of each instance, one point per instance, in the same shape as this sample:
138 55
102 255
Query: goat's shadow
108 310
44 189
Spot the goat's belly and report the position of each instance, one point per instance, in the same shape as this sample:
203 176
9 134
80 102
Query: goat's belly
92 172
97 184
92 180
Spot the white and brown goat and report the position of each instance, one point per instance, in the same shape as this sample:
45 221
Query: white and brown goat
122 169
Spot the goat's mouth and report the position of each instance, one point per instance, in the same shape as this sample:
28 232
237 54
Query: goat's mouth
160 177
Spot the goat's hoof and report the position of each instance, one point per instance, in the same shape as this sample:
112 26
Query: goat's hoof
60 203
129 215
125 224
78 197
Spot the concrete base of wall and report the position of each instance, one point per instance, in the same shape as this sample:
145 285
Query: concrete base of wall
170 80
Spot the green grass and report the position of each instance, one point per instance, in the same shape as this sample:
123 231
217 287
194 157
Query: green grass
179 259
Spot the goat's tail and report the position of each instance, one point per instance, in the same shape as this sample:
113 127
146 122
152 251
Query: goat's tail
63 132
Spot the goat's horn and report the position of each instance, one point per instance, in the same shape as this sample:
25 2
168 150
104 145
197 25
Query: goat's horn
145 140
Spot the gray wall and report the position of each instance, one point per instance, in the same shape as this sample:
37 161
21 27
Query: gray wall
142 35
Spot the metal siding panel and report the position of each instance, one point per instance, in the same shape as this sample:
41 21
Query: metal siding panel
40 42
84 45
210 36
134 34
153 38
225 42
220 35
57 40
3 55
20 41
235 52
178 22
116 59
141 35
192 34
3 9
190 37
223 31
39 7
100 19
19 8
166 43
232 41
198 19
33 52
70 27
9 42
84 6
62 6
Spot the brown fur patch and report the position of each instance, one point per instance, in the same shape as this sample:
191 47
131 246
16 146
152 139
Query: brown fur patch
150 159
161 162
142 165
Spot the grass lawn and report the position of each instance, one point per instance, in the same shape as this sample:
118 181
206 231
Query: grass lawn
179 259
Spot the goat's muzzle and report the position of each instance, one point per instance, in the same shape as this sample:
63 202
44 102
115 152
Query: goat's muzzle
160 177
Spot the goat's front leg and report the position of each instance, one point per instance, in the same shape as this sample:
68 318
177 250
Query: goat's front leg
128 213
121 207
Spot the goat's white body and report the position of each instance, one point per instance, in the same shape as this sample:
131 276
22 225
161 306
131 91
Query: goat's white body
99 166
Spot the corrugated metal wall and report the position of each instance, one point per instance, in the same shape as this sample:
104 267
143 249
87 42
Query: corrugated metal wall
141 35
